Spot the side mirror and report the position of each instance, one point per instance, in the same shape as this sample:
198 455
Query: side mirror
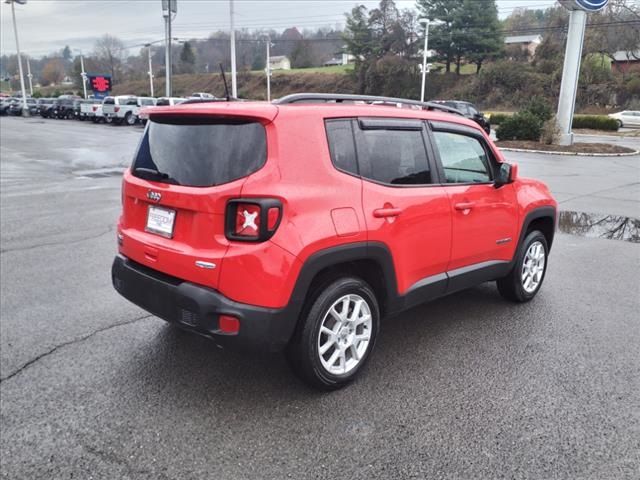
506 174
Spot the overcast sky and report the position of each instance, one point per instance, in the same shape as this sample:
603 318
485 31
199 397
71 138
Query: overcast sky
48 25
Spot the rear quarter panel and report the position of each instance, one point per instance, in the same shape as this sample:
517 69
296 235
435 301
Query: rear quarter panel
322 208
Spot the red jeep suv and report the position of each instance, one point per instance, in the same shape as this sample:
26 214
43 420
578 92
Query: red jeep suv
299 224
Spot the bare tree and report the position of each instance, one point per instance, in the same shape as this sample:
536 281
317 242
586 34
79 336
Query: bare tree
110 54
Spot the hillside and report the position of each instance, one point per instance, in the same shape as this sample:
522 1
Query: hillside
250 85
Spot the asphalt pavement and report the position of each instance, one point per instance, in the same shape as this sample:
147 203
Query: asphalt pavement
466 387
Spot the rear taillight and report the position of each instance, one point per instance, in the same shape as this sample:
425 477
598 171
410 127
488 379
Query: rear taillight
252 219
116 109
94 108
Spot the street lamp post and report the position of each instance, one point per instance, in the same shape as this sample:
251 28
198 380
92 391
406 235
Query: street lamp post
234 83
83 74
25 110
424 22
267 69
148 45
30 77
169 7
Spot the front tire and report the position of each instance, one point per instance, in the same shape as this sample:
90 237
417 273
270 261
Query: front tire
338 332
525 279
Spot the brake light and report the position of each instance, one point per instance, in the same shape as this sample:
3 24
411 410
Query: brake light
116 109
252 220
94 108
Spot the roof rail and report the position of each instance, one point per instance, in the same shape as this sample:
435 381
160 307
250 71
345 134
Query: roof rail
370 99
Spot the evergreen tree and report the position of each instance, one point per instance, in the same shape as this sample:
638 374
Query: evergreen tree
187 59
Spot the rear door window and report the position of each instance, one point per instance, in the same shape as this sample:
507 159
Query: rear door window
393 155
199 152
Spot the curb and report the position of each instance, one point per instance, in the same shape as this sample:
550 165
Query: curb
577 154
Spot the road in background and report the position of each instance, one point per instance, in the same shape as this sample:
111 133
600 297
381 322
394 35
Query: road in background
468 386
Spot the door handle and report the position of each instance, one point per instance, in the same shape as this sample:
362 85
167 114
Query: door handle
387 212
464 206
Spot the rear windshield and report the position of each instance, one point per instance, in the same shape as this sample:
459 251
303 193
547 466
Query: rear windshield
199 152
109 101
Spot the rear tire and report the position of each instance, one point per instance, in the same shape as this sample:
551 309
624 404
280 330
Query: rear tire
525 279
337 334
129 119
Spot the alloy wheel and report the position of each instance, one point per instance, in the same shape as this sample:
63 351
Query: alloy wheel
533 267
345 334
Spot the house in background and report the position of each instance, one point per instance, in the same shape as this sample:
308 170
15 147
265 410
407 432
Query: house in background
625 62
280 62
527 44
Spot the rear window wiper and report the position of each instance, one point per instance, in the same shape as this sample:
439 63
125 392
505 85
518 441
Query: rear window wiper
153 174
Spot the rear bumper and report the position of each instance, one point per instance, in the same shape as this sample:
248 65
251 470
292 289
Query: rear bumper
197 308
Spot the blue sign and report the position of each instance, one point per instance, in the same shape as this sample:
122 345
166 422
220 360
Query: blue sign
586 5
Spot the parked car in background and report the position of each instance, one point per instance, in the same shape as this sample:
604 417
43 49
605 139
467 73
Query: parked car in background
43 104
63 108
143 115
88 108
6 104
470 111
143 103
119 109
16 108
98 115
169 101
627 118
203 95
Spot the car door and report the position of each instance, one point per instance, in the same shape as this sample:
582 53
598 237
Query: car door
404 207
484 218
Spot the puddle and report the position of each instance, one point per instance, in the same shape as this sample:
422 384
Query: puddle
593 225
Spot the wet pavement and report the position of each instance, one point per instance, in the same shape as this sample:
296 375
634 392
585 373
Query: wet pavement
468 386
612 227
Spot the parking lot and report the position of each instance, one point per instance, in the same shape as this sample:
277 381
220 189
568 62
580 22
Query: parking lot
466 387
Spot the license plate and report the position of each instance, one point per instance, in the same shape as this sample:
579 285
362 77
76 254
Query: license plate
160 221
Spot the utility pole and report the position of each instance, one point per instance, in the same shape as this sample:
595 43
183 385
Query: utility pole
84 76
169 7
425 22
234 82
30 77
148 45
25 110
268 69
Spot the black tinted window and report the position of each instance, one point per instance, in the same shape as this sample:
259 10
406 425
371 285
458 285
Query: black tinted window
200 153
343 151
395 157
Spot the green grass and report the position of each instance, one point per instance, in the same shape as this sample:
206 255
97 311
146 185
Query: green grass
4 86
